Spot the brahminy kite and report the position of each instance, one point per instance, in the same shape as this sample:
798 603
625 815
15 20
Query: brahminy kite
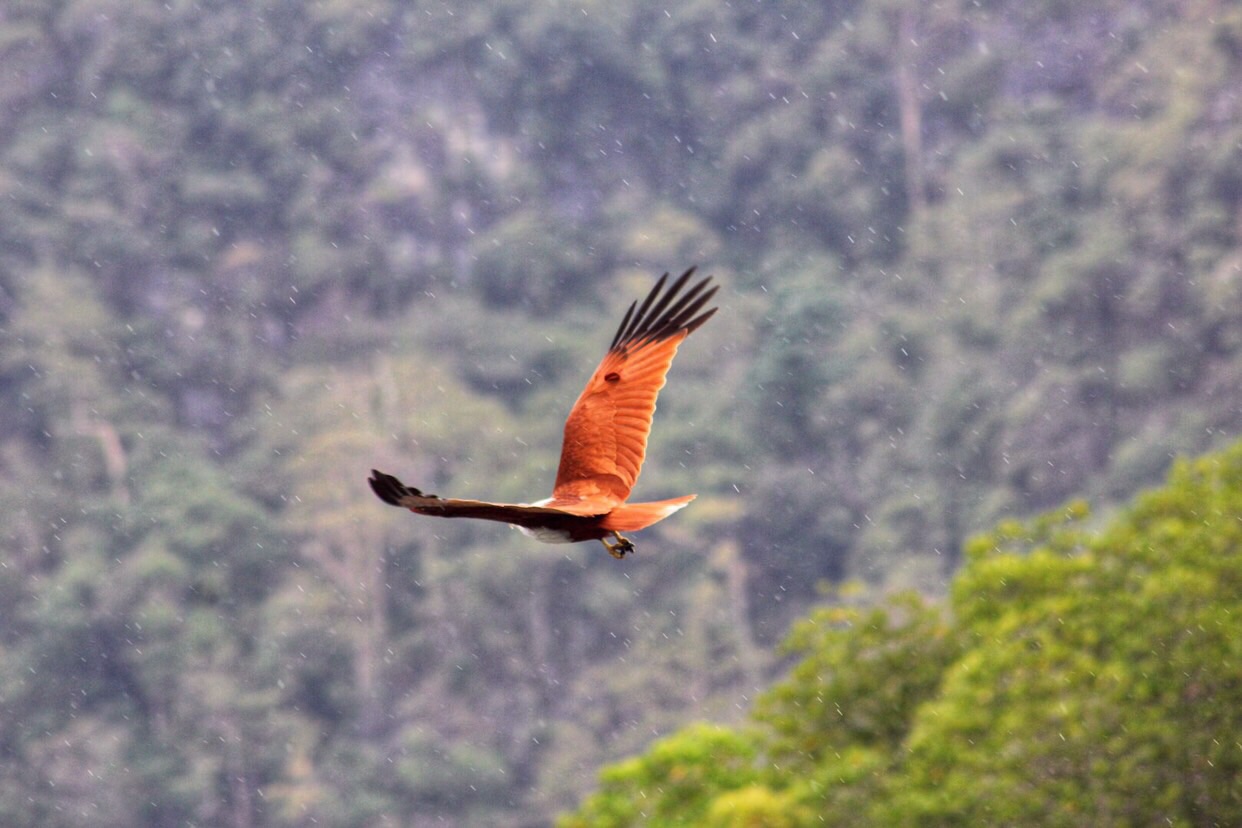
605 436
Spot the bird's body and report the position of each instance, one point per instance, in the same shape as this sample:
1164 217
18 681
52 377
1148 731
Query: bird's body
605 436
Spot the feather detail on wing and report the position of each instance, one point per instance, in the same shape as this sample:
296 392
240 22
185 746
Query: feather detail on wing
393 492
606 432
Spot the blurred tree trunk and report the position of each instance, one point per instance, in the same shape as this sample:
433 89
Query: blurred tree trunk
111 449
731 560
355 566
241 797
910 111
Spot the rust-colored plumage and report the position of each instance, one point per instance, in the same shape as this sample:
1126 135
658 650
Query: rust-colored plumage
605 436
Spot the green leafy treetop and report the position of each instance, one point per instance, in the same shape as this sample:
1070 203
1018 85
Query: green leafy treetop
1085 677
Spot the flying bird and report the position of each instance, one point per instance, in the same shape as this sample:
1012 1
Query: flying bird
605 436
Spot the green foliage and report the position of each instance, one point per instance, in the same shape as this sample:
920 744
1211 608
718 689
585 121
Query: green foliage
1097 691
531 260
755 806
674 783
862 675
1086 676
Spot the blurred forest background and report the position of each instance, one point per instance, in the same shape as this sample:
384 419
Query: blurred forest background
981 258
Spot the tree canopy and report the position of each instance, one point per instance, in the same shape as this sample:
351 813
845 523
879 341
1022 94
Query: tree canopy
1084 671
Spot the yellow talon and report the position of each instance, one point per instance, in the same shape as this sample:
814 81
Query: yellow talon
621 548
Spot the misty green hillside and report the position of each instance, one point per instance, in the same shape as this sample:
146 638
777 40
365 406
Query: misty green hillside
978 259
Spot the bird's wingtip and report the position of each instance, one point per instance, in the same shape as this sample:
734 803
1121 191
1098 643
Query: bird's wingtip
390 490
667 312
386 487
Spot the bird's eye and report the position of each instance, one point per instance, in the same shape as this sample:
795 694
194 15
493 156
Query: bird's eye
611 376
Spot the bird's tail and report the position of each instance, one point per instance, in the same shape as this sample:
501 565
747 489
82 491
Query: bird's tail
630 517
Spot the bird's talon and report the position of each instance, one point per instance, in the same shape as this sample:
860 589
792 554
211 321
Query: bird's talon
621 548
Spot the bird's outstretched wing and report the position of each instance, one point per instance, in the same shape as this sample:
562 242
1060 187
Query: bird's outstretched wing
395 493
606 433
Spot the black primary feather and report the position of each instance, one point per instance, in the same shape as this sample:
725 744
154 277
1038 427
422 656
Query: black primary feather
390 490
656 320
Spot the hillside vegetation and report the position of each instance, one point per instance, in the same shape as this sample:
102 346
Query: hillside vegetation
978 258
1077 677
